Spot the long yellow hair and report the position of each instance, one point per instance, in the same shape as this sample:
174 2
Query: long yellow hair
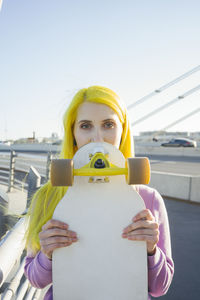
47 197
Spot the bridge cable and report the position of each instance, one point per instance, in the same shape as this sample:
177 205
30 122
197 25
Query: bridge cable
164 87
166 105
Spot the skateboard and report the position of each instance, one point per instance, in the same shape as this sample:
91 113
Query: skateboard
100 201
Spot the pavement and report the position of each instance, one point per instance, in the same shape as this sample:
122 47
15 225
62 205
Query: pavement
17 200
184 219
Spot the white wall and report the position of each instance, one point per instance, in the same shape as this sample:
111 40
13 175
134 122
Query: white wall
167 151
176 185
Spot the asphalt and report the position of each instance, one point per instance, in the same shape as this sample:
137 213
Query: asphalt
184 219
175 164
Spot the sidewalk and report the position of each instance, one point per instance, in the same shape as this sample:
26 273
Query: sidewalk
16 200
184 220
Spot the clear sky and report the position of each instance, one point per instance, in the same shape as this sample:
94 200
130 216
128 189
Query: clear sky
50 49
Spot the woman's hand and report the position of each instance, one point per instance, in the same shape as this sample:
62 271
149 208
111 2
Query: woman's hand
143 228
55 234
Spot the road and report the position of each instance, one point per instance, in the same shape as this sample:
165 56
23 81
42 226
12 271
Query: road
175 164
184 219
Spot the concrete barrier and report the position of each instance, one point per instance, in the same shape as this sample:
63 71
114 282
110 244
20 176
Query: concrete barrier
148 150
176 186
195 189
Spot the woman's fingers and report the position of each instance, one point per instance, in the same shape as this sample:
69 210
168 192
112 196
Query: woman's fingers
48 245
55 223
144 214
58 240
143 228
143 231
140 224
56 232
151 240
56 228
48 249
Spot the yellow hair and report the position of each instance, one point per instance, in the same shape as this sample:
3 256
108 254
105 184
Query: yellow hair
47 197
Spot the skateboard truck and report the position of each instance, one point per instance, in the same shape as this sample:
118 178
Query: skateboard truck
99 160
99 164
137 170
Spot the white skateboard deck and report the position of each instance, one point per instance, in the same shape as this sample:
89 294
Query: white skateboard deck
101 265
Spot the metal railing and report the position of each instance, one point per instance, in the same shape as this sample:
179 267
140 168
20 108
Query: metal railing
4 167
22 172
13 283
11 248
15 167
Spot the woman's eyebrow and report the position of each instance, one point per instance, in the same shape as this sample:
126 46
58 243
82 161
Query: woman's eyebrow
108 120
89 121
84 121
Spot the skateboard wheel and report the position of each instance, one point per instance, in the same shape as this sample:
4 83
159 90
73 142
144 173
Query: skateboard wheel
138 170
62 172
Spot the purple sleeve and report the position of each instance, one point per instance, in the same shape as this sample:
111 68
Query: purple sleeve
38 270
160 265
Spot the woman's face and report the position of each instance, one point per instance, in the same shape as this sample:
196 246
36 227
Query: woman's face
97 123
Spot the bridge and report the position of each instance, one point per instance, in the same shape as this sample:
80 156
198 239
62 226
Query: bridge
175 174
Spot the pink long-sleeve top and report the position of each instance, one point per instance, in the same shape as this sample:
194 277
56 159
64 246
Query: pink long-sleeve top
38 269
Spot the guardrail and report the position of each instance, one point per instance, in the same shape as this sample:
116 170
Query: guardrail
15 167
13 284
4 167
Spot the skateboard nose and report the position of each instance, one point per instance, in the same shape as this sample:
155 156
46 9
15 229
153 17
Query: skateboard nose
99 164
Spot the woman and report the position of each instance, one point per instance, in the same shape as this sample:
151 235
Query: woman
97 115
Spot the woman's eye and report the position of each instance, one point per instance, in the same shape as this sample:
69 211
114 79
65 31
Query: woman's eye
109 125
85 126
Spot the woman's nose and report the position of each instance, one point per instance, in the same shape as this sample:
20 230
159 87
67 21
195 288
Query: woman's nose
97 137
